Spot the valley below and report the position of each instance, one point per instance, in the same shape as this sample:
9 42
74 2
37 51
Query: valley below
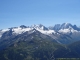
37 42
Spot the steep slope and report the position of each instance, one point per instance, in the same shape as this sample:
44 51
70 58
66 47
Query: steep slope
71 51
35 46
75 48
63 33
29 35
39 43
38 48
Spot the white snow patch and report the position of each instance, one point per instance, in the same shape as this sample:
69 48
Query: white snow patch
42 28
68 31
20 30
46 31
3 31
64 31
74 30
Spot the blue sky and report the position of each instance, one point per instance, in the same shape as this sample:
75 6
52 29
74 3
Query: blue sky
47 12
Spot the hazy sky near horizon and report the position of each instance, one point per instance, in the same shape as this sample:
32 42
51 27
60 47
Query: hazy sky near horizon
47 12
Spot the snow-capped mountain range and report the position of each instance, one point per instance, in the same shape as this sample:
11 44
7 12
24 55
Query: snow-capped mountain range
59 32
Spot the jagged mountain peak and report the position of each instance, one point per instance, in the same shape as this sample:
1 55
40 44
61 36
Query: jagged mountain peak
56 31
39 26
57 27
23 26
66 25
